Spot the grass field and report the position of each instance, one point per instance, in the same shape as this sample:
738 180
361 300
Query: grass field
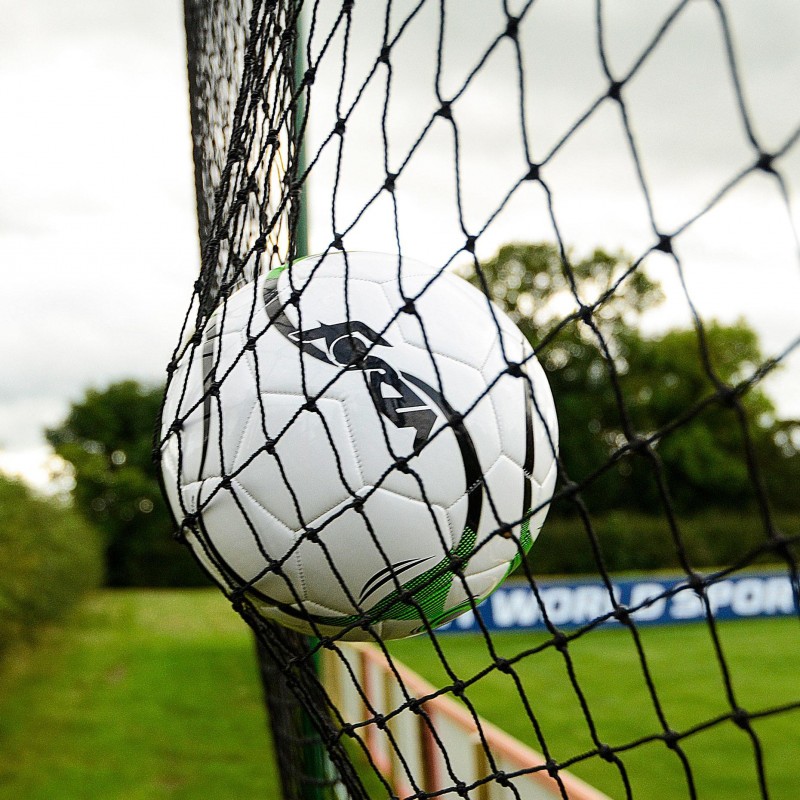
142 696
763 659
151 695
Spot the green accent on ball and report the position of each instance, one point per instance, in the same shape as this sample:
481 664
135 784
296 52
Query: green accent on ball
525 542
273 273
429 590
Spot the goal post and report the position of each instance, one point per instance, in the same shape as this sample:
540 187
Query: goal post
614 196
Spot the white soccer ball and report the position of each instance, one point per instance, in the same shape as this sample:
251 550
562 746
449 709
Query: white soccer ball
355 463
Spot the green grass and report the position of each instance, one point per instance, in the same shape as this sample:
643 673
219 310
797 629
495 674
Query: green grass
151 695
141 696
763 660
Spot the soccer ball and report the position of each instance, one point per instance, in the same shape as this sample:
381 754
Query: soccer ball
352 443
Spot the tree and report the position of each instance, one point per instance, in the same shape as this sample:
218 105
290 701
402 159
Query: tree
107 440
50 557
660 378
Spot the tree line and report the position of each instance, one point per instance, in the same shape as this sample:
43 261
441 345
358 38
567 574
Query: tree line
687 392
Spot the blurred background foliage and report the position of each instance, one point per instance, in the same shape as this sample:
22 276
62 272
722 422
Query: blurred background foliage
50 555
107 443
660 380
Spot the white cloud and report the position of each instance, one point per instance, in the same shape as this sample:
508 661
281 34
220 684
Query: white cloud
97 231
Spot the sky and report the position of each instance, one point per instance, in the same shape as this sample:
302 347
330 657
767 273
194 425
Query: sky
98 243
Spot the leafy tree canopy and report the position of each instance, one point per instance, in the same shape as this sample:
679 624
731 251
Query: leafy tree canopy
660 378
107 439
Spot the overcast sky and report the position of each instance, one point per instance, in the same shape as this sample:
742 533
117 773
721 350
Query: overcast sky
98 245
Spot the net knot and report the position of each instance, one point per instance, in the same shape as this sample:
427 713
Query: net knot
226 482
559 641
456 563
506 531
514 369
402 465
727 395
445 110
312 534
639 445
534 172
615 90
502 665
512 28
338 241
605 752
310 76
408 306
310 405
552 768
237 601
697 584
458 688
251 343
570 489
384 56
765 162
389 183
664 243
741 718
469 245
339 127
671 739
176 427
622 615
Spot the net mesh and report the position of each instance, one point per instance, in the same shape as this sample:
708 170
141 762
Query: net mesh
416 145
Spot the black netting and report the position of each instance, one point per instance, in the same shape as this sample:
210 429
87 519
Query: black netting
415 146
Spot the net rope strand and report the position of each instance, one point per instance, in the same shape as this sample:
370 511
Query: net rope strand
250 113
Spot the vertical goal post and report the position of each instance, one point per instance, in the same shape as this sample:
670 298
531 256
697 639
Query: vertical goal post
497 140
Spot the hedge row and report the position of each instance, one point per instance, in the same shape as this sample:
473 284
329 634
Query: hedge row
632 542
49 557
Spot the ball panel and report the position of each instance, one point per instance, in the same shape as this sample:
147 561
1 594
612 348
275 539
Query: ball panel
412 536
446 327
261 541
287 481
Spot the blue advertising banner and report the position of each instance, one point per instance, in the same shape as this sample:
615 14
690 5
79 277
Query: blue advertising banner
652 601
